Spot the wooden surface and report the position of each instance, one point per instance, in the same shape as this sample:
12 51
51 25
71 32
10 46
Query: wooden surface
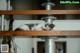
40 33
37 12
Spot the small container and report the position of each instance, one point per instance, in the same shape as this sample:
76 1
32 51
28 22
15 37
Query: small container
60 50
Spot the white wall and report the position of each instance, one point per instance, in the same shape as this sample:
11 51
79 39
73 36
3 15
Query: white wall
24 44
73 45
3 5
59 24
18 23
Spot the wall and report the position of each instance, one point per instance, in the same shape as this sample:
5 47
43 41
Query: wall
23 44
18 23
59 24
3 5
73 45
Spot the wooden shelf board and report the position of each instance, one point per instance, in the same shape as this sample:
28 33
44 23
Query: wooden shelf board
39 12
40 33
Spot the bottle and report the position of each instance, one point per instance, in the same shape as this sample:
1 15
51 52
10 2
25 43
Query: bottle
60 50
4 45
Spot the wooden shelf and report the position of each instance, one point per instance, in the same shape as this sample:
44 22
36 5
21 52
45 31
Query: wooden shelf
41 33
39 12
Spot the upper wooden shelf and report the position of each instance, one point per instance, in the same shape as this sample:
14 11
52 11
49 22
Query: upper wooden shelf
39 12
41 33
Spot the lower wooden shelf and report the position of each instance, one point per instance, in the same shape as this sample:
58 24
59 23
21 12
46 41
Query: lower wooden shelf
41 33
